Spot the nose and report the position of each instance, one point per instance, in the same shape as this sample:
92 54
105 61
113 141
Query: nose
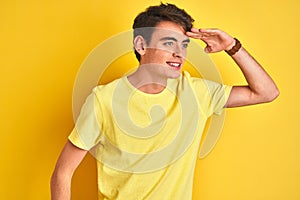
176 55
177 52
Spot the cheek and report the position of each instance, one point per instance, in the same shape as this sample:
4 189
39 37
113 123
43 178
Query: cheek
184 53
157 56
161 55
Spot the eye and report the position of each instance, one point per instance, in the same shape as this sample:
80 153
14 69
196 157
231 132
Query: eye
169 44
185 45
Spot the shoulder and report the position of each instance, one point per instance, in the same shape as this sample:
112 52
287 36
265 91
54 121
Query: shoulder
187 78
199 82
106 88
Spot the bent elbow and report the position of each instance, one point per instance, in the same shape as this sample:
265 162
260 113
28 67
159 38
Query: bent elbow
277 93
272 96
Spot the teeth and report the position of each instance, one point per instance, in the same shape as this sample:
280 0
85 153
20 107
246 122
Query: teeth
174 64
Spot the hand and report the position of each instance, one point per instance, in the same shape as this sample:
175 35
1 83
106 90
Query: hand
216 40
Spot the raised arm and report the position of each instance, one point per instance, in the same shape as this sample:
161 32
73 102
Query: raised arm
68 161
260 89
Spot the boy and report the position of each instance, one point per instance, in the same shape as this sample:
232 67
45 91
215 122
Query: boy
145 128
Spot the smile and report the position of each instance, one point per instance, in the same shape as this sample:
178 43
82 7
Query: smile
174 64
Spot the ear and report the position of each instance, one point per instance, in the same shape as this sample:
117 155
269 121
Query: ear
140 45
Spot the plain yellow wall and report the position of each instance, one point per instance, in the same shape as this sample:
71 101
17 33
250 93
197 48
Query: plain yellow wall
43 44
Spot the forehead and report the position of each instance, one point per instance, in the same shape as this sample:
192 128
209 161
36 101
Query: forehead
169 29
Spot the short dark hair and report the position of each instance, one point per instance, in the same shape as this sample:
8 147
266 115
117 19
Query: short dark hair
156 14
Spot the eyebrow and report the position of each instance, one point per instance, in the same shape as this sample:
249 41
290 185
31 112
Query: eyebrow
172 38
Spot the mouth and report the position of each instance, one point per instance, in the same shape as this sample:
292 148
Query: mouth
174 65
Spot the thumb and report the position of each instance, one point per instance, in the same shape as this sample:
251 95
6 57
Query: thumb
208 49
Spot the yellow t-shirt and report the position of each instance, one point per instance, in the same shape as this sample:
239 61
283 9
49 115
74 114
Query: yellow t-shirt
146 144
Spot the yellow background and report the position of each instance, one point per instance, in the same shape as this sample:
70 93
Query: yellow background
43 43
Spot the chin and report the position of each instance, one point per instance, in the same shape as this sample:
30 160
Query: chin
174 75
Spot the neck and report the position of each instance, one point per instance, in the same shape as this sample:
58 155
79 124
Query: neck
147 79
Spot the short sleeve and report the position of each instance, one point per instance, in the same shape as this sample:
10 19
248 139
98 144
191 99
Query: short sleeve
87 130
218 94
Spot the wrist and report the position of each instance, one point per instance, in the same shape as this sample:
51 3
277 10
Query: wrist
234 48
231 45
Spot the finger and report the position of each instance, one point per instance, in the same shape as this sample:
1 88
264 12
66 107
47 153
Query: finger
195 35
209 31
201 32
192 34
207 49
195 30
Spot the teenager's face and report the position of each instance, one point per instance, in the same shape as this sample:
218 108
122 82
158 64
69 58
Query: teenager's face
167 49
